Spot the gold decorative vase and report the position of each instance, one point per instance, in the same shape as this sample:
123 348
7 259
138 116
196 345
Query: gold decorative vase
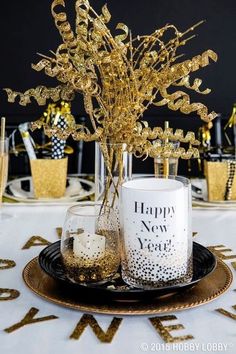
49 177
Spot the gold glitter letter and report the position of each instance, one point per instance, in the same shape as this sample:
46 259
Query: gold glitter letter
8 294
218 251
6 264
164 331
104 337
233 265
29 319
228 314
36 241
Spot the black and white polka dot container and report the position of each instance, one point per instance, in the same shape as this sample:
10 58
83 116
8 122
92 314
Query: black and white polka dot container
58 145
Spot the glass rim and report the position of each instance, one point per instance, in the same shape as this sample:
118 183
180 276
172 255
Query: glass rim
72 209
184 180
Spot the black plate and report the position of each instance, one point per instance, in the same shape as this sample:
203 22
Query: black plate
204 262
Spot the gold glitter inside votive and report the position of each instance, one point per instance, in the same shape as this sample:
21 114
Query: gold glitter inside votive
82 269
49 177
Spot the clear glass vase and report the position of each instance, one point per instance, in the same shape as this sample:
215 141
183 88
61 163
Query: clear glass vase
113 166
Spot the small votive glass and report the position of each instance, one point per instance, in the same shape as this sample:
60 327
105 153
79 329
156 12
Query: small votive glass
156 243
160 162
159 166
90 245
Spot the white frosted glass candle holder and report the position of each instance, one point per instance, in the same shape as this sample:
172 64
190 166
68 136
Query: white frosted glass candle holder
156 231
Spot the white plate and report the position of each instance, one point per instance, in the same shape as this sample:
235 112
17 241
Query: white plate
77 189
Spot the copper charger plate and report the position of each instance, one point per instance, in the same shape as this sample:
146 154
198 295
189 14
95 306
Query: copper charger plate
205 291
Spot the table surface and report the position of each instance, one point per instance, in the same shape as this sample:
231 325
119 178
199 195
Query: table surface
212 331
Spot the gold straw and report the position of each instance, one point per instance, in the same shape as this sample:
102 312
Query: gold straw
166 160
3 127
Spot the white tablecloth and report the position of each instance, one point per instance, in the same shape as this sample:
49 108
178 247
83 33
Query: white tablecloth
212 331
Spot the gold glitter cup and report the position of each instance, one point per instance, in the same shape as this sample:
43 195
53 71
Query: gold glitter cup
90 245
221 180
49 177
156 231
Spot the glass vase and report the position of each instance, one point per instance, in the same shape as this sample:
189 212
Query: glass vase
113 166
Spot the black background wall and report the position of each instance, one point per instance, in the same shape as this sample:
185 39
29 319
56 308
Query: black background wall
27 28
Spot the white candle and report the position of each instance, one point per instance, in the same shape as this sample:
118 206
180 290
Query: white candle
155 227
88 246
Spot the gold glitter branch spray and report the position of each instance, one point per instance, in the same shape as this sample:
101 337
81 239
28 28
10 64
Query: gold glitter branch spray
166 159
